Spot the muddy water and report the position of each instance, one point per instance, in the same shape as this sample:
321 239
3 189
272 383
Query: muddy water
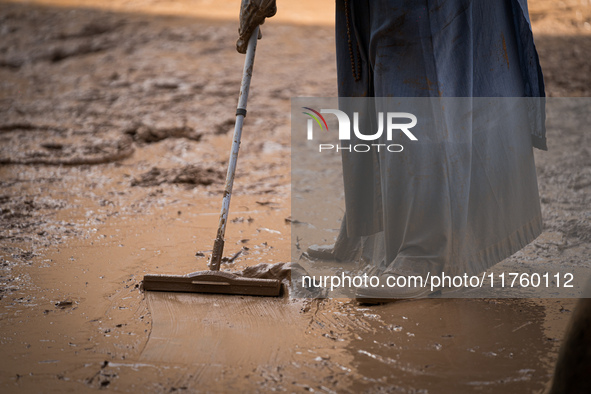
81 305
335 345
80 320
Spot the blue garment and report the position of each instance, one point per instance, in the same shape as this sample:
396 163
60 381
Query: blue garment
456 204
439 48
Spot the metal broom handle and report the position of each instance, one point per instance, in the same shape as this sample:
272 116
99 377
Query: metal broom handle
218 246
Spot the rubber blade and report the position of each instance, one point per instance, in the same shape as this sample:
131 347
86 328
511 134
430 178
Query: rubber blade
213 282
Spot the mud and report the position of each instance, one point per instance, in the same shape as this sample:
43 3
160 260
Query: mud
96 95
30 144
191 175
334 345
280 271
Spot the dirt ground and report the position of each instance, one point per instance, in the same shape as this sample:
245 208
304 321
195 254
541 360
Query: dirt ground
115 127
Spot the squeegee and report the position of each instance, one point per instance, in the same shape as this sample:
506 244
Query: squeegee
214 280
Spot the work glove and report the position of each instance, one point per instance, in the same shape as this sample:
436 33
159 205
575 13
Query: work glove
252 14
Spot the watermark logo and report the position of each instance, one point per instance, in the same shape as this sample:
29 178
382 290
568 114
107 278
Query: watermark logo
394 121
316 115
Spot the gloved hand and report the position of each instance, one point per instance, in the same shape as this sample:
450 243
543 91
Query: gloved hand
252 14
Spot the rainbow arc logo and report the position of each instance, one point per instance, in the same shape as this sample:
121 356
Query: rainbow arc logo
316 115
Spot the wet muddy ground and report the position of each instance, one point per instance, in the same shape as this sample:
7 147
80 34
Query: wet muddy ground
115 128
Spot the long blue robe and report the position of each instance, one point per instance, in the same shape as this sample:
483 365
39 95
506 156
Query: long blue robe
441 206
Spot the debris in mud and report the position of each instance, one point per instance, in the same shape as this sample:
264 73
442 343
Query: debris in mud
225 126
166 83
54 53
270 204
577 228
10 126
64 304
20 212
148 133
231 259
289 220
92 28
241 219
103 377
54 146
28 219
281 271
268 230
190 175
60 52
394 327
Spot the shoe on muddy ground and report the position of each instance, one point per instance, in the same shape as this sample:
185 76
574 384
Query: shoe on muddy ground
321 252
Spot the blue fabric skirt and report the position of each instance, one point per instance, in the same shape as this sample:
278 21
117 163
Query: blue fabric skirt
457 204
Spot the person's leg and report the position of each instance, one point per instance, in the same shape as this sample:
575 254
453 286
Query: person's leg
355 79
420 196
464 196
